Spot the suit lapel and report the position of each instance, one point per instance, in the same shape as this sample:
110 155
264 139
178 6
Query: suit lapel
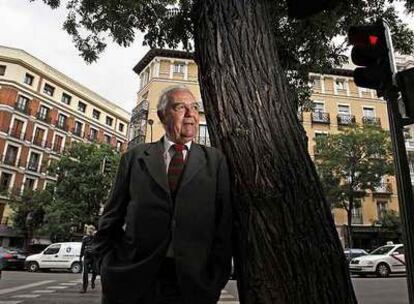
194 163
154 160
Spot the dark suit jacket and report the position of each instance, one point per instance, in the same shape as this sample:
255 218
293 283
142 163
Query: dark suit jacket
139 221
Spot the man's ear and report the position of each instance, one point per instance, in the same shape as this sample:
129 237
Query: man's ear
161 116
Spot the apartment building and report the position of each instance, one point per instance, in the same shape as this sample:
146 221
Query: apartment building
338 102
42 111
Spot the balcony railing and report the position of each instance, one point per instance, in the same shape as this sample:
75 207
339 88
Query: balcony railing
357 219
369 120
345 119
383 188
320 117
24 109
33 166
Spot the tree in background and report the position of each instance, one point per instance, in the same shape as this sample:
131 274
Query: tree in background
81 189
250 55
29 211
350 163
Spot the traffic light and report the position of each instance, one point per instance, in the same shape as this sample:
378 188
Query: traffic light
371 52
301 9
405 81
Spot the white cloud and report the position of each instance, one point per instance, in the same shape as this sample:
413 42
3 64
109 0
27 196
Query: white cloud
37 29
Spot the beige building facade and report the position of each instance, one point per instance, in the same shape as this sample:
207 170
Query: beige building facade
43 111
337 103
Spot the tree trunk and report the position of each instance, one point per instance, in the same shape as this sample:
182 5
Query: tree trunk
349 217
288 250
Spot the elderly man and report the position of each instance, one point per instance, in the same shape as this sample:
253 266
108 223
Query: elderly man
165 234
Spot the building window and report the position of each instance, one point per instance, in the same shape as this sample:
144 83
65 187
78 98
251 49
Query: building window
93 134
203 137
96 114
48 89
368 112
11 155
61 124
179 68
22 103
5 181
29 184
66 98
357 215
33 161
340 85
43 113
77 130
121 127
315 83
107 139
382 207
28 79
17 129
57 146
81 107
109 121
2 70
118 145
38 137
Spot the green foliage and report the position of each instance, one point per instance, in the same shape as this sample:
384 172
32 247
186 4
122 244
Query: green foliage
351 162
304 45
81 189
390 219
29 210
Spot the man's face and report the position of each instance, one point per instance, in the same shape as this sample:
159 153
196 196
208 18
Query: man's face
181 117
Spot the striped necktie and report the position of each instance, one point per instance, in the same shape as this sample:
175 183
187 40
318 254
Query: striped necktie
176 167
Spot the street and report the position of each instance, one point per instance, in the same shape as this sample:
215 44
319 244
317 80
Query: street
19 287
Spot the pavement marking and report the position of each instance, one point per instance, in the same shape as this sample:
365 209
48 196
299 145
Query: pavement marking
68 284
76 281
13 289
226 296
228 302
57 287
224 291
43 291
26 296
10 302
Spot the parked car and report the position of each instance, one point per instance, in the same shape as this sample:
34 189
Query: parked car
12 258
354 253
56 256
382 261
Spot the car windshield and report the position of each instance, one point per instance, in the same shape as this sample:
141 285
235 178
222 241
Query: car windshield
382 250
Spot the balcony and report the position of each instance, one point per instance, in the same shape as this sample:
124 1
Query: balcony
320 117
369 120
383 188
22 108
300 116
33 166
357 219
345 119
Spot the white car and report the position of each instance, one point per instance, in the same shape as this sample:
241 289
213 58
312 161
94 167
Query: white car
56 256
382 261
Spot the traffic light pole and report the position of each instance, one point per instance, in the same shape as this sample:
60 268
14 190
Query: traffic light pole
405 190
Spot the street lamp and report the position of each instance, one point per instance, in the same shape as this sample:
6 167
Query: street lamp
151 122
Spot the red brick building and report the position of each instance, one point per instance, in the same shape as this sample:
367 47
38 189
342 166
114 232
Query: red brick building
42 111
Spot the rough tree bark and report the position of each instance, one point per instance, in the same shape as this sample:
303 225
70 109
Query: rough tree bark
288 248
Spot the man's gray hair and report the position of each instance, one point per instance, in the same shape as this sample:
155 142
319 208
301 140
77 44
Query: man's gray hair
166 95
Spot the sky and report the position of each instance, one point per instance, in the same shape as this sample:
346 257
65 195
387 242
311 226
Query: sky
37 29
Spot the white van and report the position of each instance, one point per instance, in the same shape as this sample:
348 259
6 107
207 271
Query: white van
56 256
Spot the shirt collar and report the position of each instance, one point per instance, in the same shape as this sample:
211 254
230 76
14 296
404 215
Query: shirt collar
168 143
